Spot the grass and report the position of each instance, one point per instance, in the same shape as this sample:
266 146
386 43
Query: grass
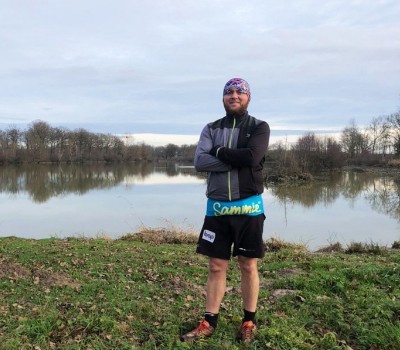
133 294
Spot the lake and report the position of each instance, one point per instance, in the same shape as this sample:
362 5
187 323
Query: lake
43 201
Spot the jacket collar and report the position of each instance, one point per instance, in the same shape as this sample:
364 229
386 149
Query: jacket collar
238 117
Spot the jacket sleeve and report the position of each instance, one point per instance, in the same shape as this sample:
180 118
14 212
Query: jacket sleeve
205 162
252 155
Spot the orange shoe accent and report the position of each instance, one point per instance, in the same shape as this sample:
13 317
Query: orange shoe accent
203 330
248 332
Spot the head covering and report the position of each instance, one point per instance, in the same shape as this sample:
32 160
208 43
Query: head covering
239 84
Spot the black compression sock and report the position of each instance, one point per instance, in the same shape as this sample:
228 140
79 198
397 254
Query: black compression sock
249 316
211 318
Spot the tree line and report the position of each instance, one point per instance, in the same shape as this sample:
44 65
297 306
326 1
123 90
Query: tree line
41 142
376 144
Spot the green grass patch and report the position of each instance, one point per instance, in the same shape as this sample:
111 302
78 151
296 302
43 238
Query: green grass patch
139 293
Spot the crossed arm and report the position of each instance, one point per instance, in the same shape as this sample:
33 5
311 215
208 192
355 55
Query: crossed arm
227 158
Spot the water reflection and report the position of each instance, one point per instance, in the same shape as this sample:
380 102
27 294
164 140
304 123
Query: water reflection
381 192
45 181
385 197
44 200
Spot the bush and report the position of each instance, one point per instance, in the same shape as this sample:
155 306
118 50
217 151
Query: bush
396 245
333 247
157 236
274 244
363 248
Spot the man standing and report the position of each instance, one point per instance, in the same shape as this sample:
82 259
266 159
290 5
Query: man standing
232 151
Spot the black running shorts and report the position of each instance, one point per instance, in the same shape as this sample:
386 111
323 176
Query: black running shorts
244 232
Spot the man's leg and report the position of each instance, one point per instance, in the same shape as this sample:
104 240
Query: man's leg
250 282
250 288
216 284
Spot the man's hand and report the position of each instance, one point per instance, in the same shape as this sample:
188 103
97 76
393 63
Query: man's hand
214 150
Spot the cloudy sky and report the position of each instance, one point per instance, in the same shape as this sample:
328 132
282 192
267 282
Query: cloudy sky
159 66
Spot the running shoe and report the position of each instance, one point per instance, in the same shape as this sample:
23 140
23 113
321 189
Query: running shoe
203 330
248 332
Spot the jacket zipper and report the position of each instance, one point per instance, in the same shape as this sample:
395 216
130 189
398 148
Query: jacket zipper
229 172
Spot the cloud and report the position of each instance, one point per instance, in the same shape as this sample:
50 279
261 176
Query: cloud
159 65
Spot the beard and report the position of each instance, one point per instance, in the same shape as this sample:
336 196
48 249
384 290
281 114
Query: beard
237 112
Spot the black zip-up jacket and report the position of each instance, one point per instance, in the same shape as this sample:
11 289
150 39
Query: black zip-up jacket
236 170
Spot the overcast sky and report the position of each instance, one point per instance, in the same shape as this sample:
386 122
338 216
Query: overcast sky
159 66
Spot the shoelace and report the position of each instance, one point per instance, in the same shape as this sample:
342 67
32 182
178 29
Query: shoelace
202 326
247 329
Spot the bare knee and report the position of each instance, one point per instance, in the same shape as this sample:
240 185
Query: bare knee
217 265
248 266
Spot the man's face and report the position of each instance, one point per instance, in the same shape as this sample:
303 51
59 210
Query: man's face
235 101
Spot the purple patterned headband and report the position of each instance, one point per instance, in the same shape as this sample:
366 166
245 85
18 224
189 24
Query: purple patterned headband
239 84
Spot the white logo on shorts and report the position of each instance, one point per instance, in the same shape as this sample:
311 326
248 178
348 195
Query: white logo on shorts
209 236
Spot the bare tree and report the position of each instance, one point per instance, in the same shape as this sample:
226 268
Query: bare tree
171 151
378 133
57 143
353 141
14 136
394 122
334 154
37 139
306 148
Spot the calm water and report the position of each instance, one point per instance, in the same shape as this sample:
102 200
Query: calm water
49 200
